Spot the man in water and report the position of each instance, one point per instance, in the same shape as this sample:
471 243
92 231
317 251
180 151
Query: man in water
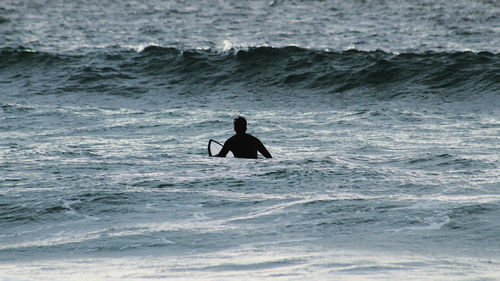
242 144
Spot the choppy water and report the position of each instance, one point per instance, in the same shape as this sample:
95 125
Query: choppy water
382 116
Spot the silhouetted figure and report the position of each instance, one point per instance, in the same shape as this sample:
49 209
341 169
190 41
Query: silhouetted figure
243 145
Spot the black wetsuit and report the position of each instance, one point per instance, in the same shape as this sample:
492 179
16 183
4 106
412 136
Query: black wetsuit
244 146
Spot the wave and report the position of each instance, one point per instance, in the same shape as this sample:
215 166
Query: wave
111 70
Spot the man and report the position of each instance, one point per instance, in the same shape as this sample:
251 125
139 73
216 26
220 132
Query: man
242 144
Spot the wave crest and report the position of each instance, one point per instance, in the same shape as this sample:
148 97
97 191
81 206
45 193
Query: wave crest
290 67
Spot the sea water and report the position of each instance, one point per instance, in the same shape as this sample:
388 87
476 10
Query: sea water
383 119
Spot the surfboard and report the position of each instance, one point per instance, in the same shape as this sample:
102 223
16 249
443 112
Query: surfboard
215 147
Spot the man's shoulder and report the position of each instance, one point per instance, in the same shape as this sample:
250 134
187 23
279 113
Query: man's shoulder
231 139
253 138
240 137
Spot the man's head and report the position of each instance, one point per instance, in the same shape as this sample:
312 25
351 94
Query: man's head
240 125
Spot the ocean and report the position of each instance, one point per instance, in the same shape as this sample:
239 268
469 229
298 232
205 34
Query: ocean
383 119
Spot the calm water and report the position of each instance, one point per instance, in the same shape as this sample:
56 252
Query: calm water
383 118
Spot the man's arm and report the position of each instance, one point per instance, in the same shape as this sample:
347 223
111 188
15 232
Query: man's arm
224 151
262 149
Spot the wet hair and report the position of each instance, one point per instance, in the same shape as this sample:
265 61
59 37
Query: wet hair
240 124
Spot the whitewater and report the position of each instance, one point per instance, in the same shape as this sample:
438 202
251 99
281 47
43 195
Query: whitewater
383 119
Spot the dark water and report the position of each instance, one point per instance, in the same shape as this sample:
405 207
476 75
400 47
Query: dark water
382 116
